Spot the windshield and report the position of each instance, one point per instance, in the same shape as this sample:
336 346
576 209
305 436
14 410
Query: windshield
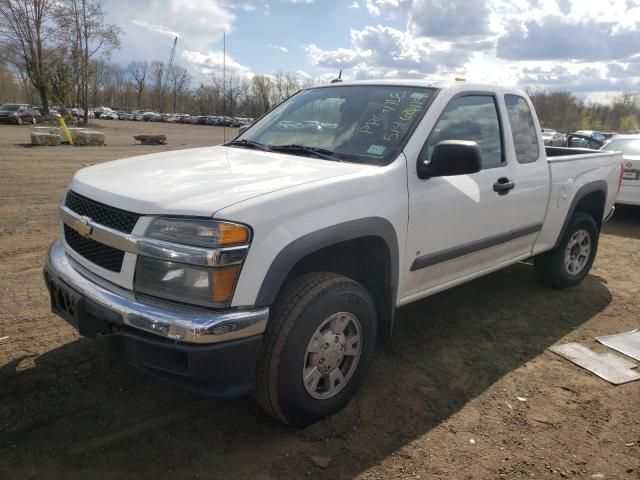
9 107
361 123
628 146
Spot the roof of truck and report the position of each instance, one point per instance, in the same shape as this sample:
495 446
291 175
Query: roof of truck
412 82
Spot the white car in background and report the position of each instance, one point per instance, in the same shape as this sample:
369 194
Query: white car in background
552 138
629 145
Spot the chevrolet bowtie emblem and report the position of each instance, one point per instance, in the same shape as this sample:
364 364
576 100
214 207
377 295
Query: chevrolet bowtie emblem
83 226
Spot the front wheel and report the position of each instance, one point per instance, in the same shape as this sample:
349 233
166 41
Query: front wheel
317 348
19 121
569 263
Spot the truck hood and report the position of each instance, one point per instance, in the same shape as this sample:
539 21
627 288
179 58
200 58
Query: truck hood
200 181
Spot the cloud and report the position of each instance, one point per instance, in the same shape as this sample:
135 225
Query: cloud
372 9
555 38
354 5
381 51
212 62
579 79
279 47
339 58
449 18
251 5
152 27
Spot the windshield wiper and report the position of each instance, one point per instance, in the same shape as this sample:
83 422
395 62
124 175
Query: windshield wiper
318 152
248 144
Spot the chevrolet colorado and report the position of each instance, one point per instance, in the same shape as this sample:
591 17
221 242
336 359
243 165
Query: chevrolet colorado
273 263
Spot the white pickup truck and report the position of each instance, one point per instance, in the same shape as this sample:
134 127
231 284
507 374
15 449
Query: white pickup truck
274 262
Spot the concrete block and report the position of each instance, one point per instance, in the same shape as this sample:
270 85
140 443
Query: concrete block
44 139
86 137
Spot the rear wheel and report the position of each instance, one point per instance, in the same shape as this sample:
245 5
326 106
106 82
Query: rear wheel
317 348
569 263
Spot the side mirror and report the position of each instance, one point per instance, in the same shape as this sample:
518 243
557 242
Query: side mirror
451 157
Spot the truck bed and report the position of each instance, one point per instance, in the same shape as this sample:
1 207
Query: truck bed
556 153
567 179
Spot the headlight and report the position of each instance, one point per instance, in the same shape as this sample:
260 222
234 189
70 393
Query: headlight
203 233
210 287
186 283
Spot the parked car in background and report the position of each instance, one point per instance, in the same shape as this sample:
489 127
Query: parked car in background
585 139
100 111
18 113
52 111
122 115
629 145
106 115
79 112
146 116
553 138
274 262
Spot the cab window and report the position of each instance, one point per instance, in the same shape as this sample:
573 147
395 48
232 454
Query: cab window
523 130
473 118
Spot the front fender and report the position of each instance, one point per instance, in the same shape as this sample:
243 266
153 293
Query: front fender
295 251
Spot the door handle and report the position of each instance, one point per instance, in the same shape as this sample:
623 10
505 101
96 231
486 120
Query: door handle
503 185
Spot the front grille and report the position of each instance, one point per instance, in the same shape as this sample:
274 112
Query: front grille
111 217
102 255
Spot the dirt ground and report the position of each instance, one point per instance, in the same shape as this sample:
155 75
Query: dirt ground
440 402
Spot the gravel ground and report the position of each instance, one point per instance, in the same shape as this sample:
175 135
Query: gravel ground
440 402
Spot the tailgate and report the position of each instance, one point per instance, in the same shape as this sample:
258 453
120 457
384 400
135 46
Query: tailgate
631 177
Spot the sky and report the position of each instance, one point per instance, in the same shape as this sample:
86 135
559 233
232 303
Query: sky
591 48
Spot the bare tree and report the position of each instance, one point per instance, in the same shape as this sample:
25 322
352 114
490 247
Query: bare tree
179 80
9 86
60 80
99 79
233 89
262 89
157 87
84 23
138 73
119 84
27 34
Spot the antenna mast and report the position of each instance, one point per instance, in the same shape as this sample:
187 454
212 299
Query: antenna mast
224 87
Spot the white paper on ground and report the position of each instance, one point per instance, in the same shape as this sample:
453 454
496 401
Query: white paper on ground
613 368
627 343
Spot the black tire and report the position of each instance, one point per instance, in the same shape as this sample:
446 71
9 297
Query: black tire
550 266
302 306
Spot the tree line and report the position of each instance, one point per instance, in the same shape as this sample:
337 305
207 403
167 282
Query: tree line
564 112
56 52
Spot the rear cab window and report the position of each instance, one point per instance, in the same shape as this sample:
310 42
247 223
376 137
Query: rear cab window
523 129
472 118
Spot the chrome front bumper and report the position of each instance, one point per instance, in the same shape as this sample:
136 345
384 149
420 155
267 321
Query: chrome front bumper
174 322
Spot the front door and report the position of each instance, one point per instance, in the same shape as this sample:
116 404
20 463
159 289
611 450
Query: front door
462 225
